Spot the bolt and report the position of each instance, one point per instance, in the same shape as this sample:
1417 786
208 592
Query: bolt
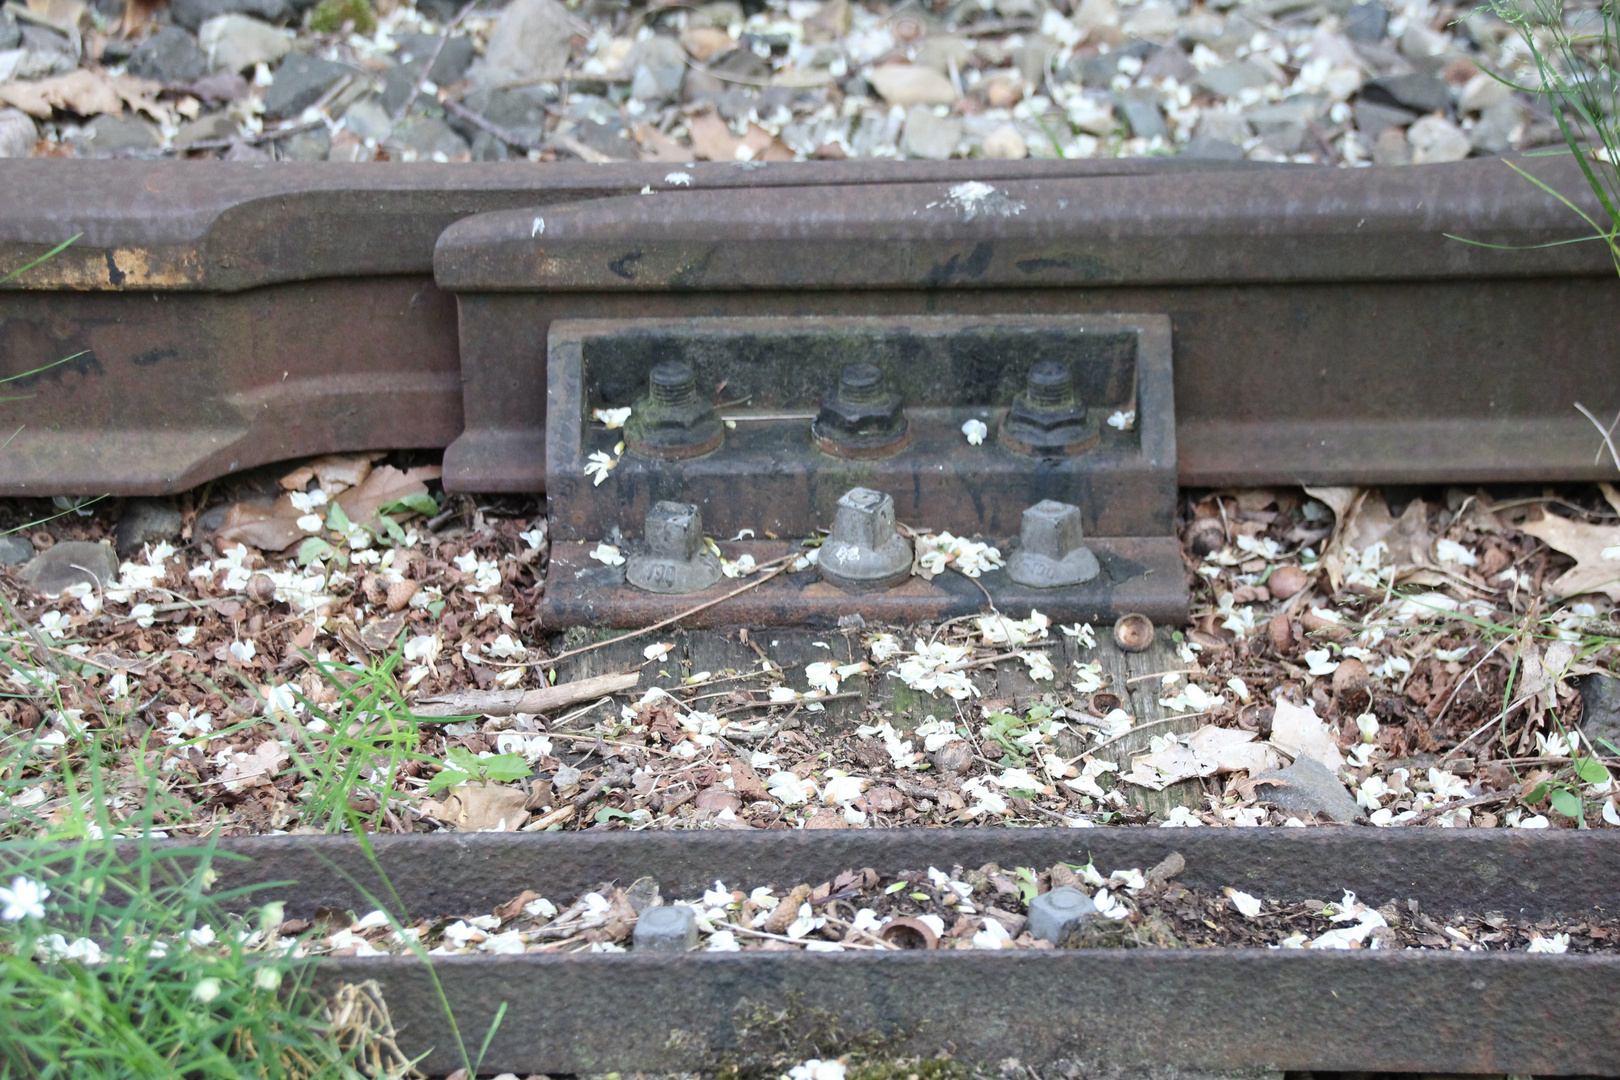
1055 915
1050 552
862 418
665 928
673 421
864 551
1048 419
676 560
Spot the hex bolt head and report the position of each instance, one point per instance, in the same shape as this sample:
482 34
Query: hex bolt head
1049 419
665 928
676 560
673 421
862 418
864 552
1054 915
1050 553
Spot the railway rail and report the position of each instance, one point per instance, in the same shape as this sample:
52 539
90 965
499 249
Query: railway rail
1218 325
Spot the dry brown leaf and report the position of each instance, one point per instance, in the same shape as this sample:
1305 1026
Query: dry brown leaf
765 146
1595 548
87 93
268 528
336 472
1297 731
381 487
256 769
712 140
480 807
656 146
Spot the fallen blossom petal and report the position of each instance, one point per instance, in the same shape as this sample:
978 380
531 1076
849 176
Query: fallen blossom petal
975 430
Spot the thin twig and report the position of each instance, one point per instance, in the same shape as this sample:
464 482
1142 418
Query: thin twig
1464 804
778 564
427 68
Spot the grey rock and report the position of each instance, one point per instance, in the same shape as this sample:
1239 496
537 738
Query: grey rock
454 59
369 119
441 11
929 136
699 88
1311 789
607 138
1054 915
1600 709
245 151
529 41
399 81
1481 92
1096 71
1285 140
15 550
426 137
240 42
1220 126
117 136
657 67
66 564
520 110
1205 148
169 56
10 34
486 147
210 128
145 521
1297 111
1391 148
1141 111
312 145
1367 22
299 83
938 52
1420 93
1435 139
1372 119
42 39
18 133
1169 62
665 928
1493 133
1230 80
191 14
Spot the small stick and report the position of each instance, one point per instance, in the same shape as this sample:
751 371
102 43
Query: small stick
779 564
416 87
783 937
1462 804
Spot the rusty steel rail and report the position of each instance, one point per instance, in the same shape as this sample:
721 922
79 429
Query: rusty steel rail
1434 1012
220 316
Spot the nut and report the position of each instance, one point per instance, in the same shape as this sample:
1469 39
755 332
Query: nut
1206 535
1133 632
909 934
375 587
1048 419
954 757
400 593
1050 553
862 418
1285 581
1281 633
676 560
863 550
1102 703
260 589
673 422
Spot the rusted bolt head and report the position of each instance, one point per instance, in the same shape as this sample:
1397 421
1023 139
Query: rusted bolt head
673 421
864 551
1049 419
1050 553
1133 632
909 934
862 417
676 560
